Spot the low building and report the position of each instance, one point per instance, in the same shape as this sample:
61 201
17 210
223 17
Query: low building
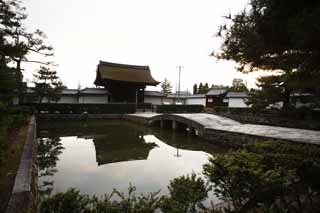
197 99
93 96
216 97
237 99
155 97
159 98
72 96
125 83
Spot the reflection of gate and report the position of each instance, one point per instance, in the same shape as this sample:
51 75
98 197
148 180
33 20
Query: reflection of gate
177 123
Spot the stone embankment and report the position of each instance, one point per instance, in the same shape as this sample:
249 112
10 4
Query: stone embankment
24 192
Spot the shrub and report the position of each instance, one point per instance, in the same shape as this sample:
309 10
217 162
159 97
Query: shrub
72 201
267 176
185 194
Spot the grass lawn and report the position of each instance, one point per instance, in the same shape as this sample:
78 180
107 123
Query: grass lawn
15 139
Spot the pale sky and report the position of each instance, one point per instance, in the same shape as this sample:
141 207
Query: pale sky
160 33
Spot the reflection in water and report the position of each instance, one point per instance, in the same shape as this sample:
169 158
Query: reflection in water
96 160
122 143
48 151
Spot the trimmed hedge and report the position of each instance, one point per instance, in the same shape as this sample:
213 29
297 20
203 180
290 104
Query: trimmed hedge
83 108
179 108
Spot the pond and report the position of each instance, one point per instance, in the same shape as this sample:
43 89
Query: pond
97 157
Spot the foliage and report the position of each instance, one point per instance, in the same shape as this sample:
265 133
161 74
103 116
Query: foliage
47 156
238 85
179 108
72 201
267 176
17 45
202 89
195 89
280 36
166 86
47 85
185 194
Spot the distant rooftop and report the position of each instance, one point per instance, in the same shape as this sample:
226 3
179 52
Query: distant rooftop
237 95
94 91
154 93
217 91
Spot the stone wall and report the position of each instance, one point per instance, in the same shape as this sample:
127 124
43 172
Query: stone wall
233 139
24 193
272 118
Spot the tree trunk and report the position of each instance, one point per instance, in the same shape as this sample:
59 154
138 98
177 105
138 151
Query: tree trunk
286 100
19 77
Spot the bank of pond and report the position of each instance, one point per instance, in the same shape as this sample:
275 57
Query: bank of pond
117 166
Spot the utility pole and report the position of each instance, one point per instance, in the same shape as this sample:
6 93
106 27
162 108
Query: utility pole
179 68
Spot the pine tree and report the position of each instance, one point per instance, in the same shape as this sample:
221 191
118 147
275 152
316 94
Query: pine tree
16 43
200 90
47 85
206 88
166 86
238 85
280 36
195 89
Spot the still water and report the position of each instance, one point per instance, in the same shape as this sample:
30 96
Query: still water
98 157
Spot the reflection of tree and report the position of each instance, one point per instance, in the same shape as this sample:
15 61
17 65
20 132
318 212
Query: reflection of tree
48 151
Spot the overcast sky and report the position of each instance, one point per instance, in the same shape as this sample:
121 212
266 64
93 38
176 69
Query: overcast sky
160 33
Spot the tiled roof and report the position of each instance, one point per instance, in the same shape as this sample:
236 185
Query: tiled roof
237 95
217 91
154 93
69 91
124 72
95 91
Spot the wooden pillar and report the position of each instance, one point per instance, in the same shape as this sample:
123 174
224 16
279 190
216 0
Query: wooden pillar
161 123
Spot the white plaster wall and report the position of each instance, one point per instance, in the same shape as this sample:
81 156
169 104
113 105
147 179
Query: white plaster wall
153 100
168 100
97 99
68 100
237 103
197 101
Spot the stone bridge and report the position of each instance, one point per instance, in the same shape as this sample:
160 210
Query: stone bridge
176 121
209 125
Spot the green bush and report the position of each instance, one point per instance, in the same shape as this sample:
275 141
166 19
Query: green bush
185 194
72 202
179 108
267 176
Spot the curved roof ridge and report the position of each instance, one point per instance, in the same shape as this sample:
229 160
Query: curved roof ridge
124 65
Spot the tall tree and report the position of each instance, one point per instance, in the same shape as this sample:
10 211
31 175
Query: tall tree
200 89
205 88
238 85
281 36
166 86
195 89
47 85
18 45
